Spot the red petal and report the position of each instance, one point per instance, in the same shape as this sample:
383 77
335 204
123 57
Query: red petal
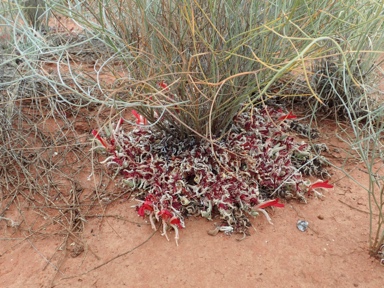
147 205
323 184
269 203
163 85
98 137
143 120
165 214
176 221
140 119
95 133
141 211
288 116
137 116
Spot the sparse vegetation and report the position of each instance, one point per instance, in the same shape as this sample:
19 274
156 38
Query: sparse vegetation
190 70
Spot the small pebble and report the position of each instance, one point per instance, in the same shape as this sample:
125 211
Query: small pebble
213 232
302 225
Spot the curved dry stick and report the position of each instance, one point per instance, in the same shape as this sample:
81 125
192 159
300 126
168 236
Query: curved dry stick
112 259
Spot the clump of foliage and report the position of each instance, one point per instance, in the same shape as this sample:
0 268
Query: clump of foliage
234 178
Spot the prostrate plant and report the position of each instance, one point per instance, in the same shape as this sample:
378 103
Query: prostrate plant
235 178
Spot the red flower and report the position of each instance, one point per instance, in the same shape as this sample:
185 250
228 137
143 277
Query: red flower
165 214
288 116
147 206
98 137
260 207
121 121
163 85
270 203
320 184
302 146
176 221
140 119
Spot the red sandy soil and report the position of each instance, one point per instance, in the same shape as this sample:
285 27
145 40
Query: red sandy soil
119 253
121 250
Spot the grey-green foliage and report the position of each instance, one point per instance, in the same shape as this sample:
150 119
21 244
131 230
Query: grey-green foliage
219 54
197 46
36 12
